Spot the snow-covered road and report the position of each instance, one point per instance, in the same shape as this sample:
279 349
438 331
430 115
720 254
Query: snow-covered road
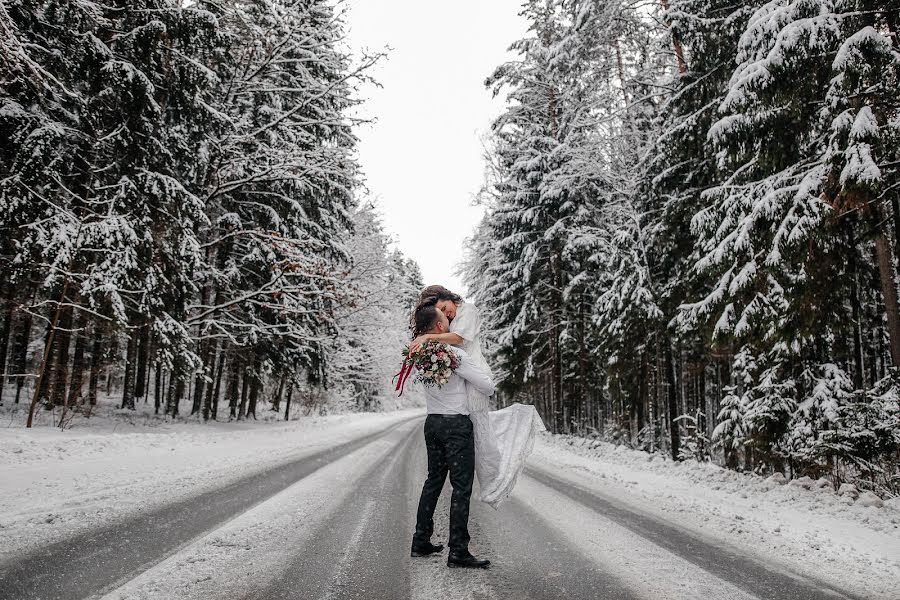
333 520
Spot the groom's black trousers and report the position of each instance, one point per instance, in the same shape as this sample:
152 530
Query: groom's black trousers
450 443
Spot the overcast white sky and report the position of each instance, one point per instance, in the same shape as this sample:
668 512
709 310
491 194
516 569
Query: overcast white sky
423 159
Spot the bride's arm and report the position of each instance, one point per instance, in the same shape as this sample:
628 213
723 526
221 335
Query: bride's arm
444 338
463 327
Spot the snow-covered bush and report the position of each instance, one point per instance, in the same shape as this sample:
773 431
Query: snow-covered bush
730 433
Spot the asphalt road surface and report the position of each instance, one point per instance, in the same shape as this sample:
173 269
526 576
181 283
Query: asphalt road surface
553 539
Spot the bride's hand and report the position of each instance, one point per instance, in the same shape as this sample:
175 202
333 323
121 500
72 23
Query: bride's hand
417 343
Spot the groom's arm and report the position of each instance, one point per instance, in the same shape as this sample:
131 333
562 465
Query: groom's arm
474 374
451 338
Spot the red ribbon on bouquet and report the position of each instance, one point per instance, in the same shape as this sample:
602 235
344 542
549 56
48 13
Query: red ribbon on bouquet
403 375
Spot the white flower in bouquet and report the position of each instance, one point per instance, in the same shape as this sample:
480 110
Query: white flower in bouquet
434 361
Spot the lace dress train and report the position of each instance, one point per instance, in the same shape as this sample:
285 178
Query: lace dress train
503 441
503 438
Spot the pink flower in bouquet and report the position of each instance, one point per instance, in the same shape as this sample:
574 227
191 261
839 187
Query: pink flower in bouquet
434 363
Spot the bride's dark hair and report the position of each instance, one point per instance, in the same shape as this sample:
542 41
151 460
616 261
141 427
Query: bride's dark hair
424 318
429 297
439 292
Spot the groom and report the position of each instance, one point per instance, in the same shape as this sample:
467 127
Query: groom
451 448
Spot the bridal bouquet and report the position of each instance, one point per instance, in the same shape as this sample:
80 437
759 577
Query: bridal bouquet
434 363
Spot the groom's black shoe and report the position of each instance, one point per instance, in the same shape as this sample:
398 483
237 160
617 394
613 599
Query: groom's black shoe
425 549
466 561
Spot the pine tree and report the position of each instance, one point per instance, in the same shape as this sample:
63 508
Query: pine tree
373 326
178 196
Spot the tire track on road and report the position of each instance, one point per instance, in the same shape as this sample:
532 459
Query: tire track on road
767 581
94 562
361 550
530 560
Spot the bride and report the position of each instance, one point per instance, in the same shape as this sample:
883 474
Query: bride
503 438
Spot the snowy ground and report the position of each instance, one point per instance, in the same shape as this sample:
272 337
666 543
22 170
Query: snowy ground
585 522
56 483
814 531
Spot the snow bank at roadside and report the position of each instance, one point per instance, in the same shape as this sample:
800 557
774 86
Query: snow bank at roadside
813 530
55 483
801 493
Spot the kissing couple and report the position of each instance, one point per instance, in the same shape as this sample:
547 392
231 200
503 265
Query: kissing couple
462 437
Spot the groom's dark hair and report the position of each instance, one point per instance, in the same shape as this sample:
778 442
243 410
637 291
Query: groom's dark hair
429 297
425 317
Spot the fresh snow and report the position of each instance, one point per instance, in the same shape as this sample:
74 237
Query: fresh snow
814 531
256 541
56 483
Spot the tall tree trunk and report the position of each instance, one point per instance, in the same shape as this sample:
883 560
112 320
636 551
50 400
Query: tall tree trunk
643 395
200 381
39 384
78 366
855 301
180 384
19 356
6 310
583 358
60 366
157 389
231 387
143 360
170 391
676 43
633 419
46 382
130 363
176 387
245 389
276 398
556 366
875 336
213 385
704 403
255 385
856 324
895 218
287 405
73 392
672 400
889 294
57 313
96 365
216 395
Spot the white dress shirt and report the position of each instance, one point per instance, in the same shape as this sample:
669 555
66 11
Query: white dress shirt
450 398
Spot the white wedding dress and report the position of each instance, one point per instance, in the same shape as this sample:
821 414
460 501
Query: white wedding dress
503 438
